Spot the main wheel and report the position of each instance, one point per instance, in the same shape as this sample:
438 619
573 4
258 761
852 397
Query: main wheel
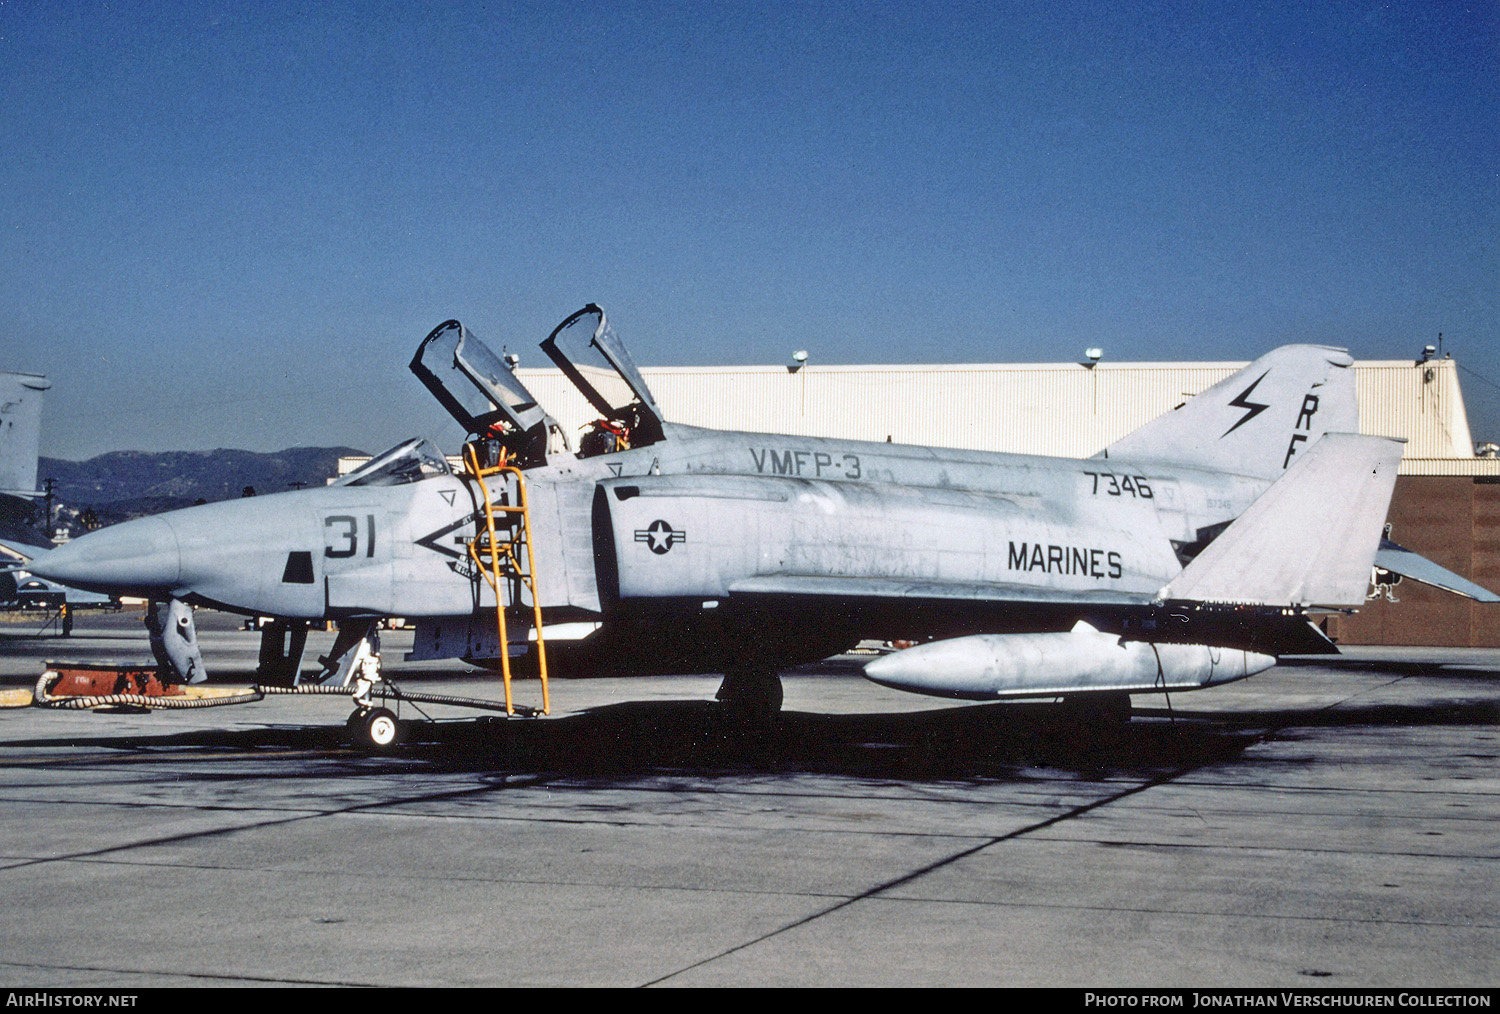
751 697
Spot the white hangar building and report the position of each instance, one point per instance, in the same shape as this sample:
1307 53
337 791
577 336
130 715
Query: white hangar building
1062 409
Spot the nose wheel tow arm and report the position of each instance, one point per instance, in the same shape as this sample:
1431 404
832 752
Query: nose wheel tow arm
375 720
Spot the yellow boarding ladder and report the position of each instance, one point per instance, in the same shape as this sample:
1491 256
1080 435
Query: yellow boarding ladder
497 560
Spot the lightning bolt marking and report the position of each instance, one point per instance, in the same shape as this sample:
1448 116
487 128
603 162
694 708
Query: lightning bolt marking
1252 408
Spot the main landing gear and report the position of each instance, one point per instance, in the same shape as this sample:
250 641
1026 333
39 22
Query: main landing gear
750 697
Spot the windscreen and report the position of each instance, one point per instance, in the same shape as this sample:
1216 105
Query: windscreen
409 461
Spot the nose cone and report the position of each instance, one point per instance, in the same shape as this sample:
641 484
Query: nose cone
137 557
941 668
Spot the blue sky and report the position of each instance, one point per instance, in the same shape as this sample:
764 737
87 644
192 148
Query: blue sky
231 224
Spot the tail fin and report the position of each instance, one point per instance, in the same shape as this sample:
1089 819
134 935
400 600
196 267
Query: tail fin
1310 539
1257 421
20 430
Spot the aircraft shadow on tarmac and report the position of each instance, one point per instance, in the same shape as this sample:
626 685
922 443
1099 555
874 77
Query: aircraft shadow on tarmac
1397 667
693 737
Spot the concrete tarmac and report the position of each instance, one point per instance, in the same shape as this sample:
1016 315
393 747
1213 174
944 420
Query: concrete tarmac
1328 823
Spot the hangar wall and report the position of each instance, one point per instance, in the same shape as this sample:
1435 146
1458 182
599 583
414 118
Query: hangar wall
1453 520
1063 409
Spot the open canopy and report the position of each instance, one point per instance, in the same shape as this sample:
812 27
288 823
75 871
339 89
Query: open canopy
483 393
587 350
473 384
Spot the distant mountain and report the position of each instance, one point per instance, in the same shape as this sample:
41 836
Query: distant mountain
131 483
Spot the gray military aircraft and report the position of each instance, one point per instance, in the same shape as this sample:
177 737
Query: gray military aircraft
1191 552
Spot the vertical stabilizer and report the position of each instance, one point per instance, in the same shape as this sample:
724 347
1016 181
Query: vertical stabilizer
1258 421
20 430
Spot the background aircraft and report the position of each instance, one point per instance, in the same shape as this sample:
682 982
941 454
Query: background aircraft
1193 551
20 441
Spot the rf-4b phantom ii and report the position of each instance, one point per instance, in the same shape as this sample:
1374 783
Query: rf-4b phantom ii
1189 553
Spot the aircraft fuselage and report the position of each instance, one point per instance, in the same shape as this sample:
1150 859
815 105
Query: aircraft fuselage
335 551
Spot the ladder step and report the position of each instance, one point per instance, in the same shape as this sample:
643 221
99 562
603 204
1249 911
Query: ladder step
502 549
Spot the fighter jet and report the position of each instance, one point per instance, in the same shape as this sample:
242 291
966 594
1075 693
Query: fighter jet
1191 552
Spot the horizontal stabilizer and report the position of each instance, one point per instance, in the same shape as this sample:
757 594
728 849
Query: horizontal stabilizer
1310 539
1400 560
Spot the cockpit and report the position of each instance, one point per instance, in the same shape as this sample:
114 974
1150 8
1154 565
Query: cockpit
483 393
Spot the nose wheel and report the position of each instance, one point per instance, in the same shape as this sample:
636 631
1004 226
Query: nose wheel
374 727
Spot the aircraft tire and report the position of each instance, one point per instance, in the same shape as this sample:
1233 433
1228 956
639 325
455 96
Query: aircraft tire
377 728
750 697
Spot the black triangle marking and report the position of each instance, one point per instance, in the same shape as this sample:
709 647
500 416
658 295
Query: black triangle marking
432 540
